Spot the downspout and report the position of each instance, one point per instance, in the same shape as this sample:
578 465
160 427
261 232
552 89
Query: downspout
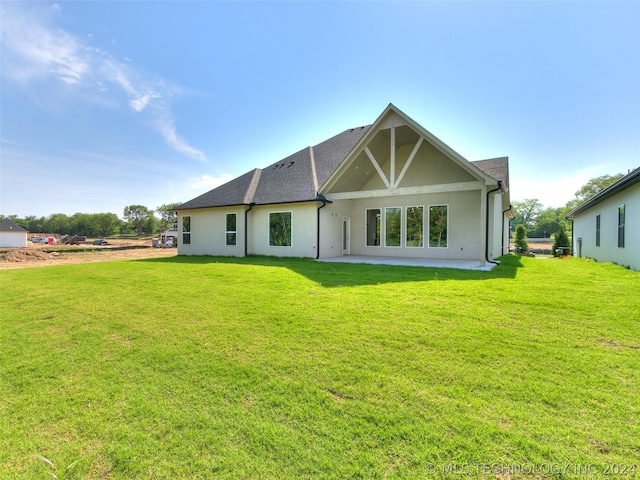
505 211
486 240
324 200
246 230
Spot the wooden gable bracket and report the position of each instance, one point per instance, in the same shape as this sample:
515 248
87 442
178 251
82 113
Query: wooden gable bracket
409 160
377 167
393 182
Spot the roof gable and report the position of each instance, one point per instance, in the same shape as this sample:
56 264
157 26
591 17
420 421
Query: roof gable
8 225
397 152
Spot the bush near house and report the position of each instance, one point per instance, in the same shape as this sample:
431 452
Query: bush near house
290 368
521 239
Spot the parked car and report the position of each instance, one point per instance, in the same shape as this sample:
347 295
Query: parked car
100 241
37 240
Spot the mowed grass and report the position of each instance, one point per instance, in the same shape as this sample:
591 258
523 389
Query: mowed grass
198 367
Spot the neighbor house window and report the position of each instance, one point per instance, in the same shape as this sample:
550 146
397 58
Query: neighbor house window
186 230
392 226
414 220
373 227
280 229
438 223
231 231
597 230
621 226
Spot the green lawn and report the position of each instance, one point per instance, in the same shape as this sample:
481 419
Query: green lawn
197 367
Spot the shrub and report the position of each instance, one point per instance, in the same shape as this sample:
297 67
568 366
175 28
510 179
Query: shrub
561 245
521 239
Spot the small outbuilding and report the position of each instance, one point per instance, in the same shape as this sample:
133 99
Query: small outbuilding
11 234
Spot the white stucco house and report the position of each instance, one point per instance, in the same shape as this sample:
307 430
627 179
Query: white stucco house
11 234
390 189
607 226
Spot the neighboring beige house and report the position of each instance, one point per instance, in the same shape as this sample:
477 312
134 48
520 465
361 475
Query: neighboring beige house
607 227
12 234
390 189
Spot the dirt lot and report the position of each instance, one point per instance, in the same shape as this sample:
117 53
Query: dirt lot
44 255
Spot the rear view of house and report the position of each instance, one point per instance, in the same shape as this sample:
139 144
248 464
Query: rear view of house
607 226
390 189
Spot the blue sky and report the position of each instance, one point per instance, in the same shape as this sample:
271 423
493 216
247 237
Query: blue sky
109 104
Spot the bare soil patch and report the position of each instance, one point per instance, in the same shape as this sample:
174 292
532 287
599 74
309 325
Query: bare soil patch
45 255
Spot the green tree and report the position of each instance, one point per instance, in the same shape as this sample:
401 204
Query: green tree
138 217
168 215
547 223
591 189
562 240
106 224
521 239
526 212
58 223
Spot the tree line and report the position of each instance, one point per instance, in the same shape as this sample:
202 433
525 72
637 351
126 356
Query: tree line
532 221
539 222
137 220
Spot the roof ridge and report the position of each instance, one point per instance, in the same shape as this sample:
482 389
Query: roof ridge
251 190
314 174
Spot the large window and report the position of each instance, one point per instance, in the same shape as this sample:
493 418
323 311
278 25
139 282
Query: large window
438 224
392 226
186 230
597 230
231 230
621 226
373 227
280 229
415 226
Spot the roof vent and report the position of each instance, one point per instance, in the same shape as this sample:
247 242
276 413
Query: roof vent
290 164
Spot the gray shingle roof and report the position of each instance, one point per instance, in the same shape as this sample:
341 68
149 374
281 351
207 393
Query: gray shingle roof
297 178
7 225
497 168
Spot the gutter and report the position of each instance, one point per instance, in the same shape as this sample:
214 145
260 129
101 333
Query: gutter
486 239
324 200
246 230
503 212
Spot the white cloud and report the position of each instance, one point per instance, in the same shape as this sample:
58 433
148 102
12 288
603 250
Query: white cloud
34 51
209 182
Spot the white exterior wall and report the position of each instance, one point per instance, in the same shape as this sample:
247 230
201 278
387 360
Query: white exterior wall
13 239
584 226
496 217
303 230
208 234
465 229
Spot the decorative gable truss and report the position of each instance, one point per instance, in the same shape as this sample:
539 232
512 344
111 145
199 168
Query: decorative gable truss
399 157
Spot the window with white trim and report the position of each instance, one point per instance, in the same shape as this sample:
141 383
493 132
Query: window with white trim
392 227
373 227
186 230
438 226
280 229
231 231
414 221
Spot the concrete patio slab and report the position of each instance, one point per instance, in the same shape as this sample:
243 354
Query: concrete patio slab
411 262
